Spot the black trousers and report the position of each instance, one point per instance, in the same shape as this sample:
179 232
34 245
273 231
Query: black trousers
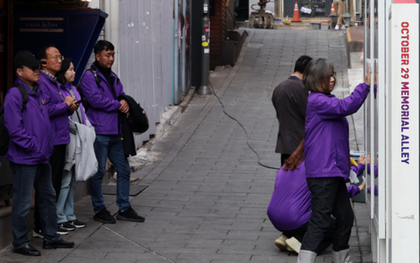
283 157
57 161
299 233
329 196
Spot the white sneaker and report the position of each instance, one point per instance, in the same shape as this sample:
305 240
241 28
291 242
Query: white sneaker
343 27
336 27
294 244
281 242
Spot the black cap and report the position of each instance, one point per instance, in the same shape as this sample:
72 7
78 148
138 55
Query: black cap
26 58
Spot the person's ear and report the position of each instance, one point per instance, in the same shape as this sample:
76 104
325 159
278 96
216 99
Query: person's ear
43 65
19 72
97 56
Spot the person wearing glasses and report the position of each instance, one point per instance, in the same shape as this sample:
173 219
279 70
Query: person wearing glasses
289 100
60 106
327 159
30 148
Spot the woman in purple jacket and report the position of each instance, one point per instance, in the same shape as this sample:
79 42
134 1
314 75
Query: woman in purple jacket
327 159
290 206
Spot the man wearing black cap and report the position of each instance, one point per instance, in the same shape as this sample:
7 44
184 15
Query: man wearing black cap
30 148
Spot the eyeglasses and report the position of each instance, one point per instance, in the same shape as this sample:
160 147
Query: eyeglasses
333 74
58 58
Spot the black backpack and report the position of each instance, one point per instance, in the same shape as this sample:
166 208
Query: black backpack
83 97
4 133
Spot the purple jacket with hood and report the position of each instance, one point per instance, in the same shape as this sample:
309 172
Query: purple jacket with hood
57 108
103 107
30 131
327 152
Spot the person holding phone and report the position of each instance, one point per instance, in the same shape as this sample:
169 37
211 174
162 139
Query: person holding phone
65 200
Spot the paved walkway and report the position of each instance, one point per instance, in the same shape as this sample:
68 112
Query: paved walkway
208 197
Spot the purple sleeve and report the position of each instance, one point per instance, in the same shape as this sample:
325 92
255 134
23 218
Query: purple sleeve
376 170
94 97
13 120
353 190
359 169
54 109
332 107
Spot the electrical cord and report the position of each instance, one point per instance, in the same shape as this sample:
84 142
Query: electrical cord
243 128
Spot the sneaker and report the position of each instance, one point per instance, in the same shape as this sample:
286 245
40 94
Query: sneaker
61 230
104 216
294 244
67 226
281 242
77 224
336 27
130 215
37 233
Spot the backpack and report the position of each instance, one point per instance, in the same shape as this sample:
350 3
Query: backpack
82 96
4 133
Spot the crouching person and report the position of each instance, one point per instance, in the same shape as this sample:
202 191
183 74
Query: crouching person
30 148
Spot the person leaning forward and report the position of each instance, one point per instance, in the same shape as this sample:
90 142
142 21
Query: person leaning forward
30 148
104 113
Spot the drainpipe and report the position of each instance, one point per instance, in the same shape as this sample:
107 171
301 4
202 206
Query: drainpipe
183 53
176 54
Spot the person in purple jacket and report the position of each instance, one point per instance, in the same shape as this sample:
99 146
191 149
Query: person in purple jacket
60 106
290 206
30 148
104 112
327 159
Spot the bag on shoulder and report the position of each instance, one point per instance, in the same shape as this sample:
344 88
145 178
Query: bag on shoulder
4 133
83 97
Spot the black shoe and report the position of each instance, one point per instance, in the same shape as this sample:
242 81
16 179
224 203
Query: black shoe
77 224
130 215
67 226
27 250
37 233
104 216
61 230
57 244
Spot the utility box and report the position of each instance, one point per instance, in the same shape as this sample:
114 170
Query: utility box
325 26
314 25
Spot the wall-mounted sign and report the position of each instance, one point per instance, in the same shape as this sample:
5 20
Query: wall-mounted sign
41 24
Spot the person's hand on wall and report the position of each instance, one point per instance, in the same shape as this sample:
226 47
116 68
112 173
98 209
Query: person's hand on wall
362 159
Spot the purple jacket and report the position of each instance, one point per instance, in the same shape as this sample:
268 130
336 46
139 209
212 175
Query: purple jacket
103 108
57 108
327 152
290 205
30 131
358 169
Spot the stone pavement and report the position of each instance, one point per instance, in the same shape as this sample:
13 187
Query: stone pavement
207 197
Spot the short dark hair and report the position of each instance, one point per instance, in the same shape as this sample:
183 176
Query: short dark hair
317 75
102 45
42 53
61 75
302 63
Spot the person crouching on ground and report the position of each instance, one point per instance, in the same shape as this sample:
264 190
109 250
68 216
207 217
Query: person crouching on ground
30 148
290 206
327 159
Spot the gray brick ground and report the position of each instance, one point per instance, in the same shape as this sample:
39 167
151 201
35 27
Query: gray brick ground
208 197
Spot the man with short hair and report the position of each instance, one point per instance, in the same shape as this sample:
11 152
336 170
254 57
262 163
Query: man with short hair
289 99
30 148
60 106
105 111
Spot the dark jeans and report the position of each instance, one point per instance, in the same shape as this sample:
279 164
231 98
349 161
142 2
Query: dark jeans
299 232
283 157
329 196
57 161
26 178
110 146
